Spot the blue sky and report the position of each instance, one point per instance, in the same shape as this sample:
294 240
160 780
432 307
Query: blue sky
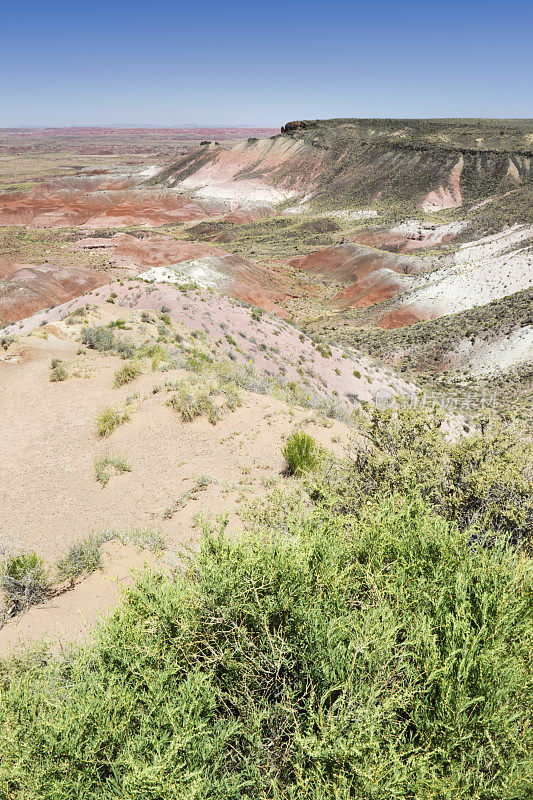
244 62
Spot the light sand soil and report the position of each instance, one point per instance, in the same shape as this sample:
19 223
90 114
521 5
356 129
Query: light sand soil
49 497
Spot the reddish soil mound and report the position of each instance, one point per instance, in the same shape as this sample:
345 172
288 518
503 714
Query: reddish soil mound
240 216
241 278
408 237
349 262
382 284
28 288
96 203
150 251
400 317
393 242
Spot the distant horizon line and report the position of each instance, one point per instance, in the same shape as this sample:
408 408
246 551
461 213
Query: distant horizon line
191 125
226 125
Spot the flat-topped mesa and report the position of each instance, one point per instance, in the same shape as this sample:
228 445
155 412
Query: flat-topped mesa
426 165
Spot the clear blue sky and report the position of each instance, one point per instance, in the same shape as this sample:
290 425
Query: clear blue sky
246 62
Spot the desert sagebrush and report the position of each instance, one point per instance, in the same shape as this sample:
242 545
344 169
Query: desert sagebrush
378 656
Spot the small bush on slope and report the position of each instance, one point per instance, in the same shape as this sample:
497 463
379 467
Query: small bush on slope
58 371
196 397
300 452
24 580
109 419
98 338
101 472
83 556
378 657
103 339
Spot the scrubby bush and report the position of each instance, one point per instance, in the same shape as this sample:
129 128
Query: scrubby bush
103 339
25 581
300 452
58 371
127 373
480 478
204 396
98 338
383 656
109 419
193 401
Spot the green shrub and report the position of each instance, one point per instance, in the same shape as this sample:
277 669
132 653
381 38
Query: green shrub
483 479
101 465
127 373
300 452
25 581
109 419
380 657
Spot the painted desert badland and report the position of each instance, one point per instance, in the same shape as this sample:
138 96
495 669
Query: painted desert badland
266 397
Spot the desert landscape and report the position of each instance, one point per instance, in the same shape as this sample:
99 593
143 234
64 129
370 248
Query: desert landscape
265 398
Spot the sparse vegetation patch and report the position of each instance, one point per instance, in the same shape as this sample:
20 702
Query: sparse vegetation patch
101 467
25 581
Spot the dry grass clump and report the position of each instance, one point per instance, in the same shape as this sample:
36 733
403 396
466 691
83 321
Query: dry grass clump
109 420
300 452
101 465
85 555
127 373
201 484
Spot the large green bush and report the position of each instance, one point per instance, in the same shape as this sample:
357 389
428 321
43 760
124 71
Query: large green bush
479 479
378 656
